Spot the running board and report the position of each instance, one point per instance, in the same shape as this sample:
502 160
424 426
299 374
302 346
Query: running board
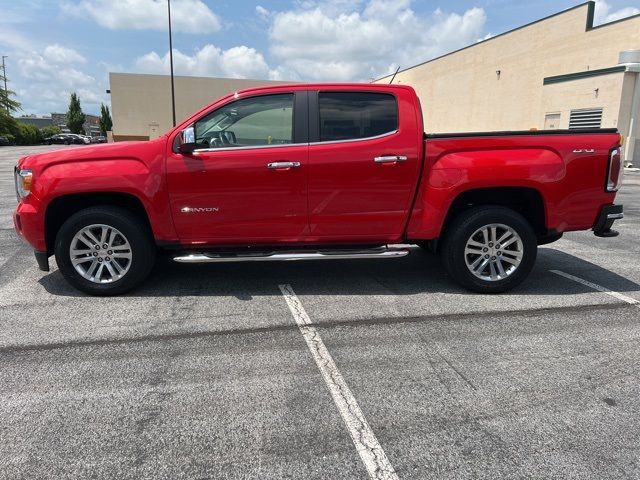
291 256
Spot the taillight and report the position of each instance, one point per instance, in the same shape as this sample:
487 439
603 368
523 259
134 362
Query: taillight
614 174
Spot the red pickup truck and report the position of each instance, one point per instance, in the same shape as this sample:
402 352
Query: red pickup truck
305 172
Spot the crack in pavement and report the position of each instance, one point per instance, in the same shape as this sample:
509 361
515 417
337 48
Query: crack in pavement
83 342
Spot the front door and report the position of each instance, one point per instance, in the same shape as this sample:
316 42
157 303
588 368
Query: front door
246 182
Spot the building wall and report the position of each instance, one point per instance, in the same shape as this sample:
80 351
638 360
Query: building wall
462 91
141 104
39 122
595 92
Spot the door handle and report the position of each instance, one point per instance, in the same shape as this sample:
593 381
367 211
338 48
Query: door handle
283 165
390 159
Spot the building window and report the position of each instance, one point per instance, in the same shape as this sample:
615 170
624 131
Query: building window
585 118
552 121
354 115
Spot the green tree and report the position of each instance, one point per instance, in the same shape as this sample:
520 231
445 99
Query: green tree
75 117
8 124
8 105
105 121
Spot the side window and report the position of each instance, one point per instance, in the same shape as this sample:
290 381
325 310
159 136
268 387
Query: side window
255 121
353 115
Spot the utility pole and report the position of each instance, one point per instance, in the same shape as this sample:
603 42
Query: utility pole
173 94
4 76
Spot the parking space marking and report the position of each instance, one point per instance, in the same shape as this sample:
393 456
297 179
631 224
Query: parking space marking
365 441
595 286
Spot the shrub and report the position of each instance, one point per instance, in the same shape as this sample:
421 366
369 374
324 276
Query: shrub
28 135
49 131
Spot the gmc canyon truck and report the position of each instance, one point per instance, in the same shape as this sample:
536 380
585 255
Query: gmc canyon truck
308 172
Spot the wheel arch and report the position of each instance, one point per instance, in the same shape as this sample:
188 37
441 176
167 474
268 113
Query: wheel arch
63 207
527 201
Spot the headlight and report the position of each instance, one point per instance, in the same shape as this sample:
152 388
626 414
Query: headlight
24 182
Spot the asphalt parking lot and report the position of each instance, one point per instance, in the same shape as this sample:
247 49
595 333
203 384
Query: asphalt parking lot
324 370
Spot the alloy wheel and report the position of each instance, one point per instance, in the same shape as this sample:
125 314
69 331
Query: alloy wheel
100 253
493 252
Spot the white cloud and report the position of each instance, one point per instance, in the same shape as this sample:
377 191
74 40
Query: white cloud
603 13
326 40
236 62
50 75
332 40
262 12
341 40
188 16
61 55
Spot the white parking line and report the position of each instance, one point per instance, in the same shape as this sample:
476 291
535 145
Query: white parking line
597 287
371 453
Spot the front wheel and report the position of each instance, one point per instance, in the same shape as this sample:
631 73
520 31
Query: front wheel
489 249
104 251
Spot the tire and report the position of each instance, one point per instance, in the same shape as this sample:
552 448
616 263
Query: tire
459 256
127 238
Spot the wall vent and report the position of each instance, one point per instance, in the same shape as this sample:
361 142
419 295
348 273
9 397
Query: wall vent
585 118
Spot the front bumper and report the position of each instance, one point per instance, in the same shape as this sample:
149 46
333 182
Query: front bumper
29 224
608 215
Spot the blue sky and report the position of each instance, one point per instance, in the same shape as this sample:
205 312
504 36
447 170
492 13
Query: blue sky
56 47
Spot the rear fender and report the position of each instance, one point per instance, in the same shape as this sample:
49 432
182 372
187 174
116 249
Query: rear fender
454 173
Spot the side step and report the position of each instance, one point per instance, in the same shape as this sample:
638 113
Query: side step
292 256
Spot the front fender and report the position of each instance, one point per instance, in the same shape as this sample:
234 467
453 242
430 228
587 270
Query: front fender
122 175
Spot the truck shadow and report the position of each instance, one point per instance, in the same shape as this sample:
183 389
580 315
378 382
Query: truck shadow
418 273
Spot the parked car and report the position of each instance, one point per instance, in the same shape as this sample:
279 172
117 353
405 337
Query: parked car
305 172
4 141
64 139
99 139
82 139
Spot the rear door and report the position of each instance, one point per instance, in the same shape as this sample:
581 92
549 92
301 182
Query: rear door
364 161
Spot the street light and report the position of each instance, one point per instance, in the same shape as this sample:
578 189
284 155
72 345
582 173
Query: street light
173 95
4 76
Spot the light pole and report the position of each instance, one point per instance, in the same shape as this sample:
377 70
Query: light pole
4 76
173 95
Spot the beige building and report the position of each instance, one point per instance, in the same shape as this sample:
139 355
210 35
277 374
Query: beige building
558 72
141 104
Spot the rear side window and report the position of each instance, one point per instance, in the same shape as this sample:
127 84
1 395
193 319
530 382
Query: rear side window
354 115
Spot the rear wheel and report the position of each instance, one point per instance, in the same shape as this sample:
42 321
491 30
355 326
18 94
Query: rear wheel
489 249
104 251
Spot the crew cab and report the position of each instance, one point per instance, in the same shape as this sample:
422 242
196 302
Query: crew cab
310 172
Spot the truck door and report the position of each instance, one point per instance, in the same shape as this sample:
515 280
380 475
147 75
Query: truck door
364 160
246 182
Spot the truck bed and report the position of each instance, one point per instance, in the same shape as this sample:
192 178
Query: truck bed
509 133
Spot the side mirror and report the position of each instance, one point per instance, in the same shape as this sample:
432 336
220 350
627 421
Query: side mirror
187 141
